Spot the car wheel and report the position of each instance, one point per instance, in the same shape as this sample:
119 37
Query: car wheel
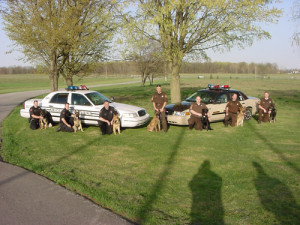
248 114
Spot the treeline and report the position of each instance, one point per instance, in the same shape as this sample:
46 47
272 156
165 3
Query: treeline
228 67
130 68
18 70
188 67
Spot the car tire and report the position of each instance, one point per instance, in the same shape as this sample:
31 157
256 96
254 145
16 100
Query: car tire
248 114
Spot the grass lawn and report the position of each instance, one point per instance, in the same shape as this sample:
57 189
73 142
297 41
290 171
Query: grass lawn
28 82
244 175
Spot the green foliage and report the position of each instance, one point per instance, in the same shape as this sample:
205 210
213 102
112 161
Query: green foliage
192 27
62 35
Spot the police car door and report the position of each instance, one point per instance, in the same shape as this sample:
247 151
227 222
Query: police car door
80 103
220 106
57 104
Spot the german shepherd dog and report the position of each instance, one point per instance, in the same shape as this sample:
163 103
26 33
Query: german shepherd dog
44 121
154 123
272 117
241 117
77 122
205 120
116 124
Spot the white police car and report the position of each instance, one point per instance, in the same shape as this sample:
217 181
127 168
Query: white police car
215 97
88 103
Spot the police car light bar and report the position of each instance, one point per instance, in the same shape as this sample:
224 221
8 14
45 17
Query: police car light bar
80 87
214 86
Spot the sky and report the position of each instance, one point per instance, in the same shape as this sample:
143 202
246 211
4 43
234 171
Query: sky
278 49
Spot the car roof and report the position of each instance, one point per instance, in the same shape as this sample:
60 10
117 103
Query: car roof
219 90
75 91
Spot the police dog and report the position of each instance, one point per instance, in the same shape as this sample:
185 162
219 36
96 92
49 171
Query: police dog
241 117
116 124
154 123
77 122
205 120
272 117
44 120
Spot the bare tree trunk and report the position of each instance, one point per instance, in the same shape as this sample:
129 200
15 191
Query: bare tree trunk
150 80
165 70
175 82
69 81
53 72
143 79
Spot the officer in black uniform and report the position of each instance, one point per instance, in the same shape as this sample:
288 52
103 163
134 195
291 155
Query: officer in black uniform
35 115
106 118
66 120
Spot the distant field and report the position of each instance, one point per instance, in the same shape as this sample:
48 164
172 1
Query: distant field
244 175
28 82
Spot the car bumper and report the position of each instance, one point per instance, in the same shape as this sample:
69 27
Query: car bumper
135 122
24 113
178 120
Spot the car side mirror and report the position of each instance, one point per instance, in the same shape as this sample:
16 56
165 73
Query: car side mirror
112 98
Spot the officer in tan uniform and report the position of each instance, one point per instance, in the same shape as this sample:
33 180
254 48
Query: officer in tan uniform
159 100
196 117
232 109
265 106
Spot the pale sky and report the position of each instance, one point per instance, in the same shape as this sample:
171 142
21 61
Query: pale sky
278 49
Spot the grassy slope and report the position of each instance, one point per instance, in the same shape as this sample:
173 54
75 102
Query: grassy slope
246 175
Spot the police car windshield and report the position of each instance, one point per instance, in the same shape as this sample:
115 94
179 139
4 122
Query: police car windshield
206 96
97 98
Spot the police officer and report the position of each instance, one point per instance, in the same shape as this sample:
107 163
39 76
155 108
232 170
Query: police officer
232 109
66 120
159 100
106 118
265 106
196 117
35 115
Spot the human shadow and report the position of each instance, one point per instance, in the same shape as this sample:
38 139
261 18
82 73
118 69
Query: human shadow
158 186
207 206
272 147
276 197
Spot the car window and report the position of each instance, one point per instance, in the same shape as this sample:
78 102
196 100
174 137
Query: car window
60 98
239 96
206 96
96 98
78 99
222 98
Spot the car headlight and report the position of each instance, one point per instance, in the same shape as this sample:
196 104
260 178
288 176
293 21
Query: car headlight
182 113
129 115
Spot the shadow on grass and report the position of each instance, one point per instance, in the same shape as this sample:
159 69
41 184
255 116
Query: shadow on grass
207 206
274 149
158 186
276 197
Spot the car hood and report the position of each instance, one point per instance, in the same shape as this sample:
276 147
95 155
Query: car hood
123 108
170 107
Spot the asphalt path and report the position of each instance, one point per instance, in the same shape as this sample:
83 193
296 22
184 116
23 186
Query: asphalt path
30 199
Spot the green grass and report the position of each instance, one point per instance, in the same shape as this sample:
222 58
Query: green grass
28 82
244 175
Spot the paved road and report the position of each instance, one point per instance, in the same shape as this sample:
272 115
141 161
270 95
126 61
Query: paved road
28 199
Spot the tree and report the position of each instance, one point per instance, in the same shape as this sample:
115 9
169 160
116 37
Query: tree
185 27
63 35
296 18
148 56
